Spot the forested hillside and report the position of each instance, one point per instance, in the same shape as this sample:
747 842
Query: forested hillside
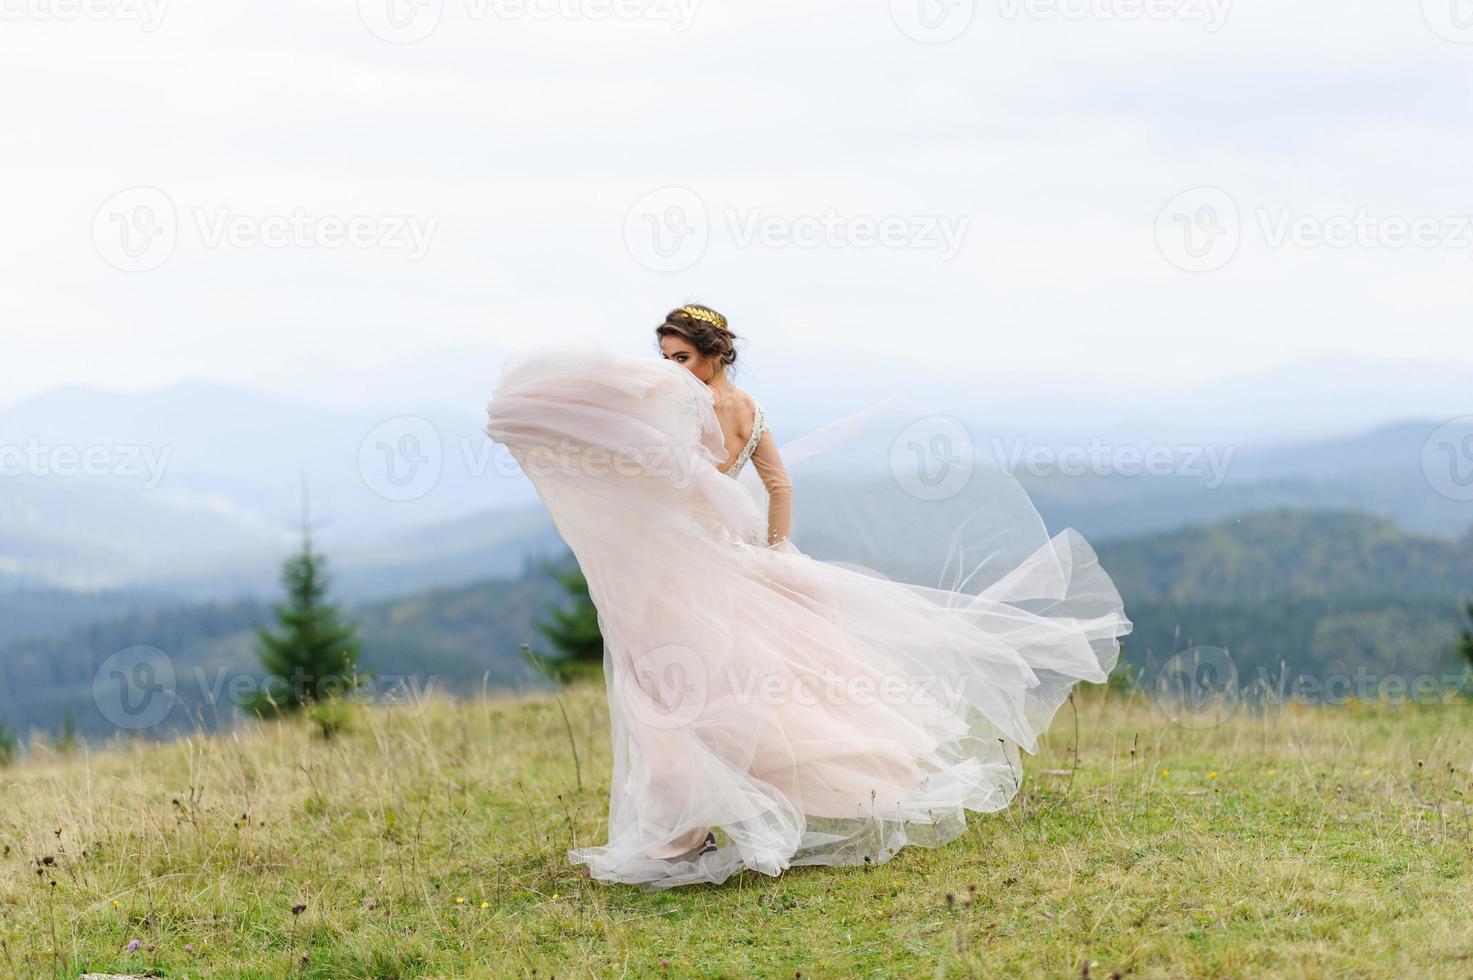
1313 593
456 639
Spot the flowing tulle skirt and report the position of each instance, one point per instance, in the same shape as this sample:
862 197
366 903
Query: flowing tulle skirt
807 711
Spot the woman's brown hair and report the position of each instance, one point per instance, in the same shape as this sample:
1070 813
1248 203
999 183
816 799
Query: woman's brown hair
704 329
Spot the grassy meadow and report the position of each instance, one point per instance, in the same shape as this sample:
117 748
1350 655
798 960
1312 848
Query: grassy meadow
429 841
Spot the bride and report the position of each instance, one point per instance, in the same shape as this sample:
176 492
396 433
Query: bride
770 708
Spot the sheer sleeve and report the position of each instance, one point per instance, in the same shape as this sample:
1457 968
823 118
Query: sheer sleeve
769 465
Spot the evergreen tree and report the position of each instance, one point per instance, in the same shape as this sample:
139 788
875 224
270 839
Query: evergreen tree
314 654
572 630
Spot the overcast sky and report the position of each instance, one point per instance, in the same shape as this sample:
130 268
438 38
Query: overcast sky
276 194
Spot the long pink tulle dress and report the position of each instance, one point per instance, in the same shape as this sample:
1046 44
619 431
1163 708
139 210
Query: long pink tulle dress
807 711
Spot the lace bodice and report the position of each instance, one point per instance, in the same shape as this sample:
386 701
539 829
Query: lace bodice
759 426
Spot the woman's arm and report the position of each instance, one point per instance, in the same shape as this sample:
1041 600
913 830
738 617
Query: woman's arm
769 464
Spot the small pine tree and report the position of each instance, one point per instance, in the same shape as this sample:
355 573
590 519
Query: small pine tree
573 631
314 654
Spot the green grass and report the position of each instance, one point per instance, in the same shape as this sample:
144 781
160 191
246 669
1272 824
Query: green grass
1308 843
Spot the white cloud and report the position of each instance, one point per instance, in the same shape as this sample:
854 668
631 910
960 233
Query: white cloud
1057 138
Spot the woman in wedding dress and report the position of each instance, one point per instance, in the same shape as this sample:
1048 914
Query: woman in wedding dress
769 708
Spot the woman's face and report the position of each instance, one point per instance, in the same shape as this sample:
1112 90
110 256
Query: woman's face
679 350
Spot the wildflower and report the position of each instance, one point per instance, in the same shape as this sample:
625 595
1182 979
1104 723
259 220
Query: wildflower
1166 772
133 946
189 948
1212 774
460 901
117 904
555 896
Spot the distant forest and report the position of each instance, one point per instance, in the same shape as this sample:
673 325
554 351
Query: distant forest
1307 592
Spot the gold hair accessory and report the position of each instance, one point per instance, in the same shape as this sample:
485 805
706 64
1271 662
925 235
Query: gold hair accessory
710 316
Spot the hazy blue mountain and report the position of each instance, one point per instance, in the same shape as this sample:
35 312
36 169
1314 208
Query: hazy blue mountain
408 498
